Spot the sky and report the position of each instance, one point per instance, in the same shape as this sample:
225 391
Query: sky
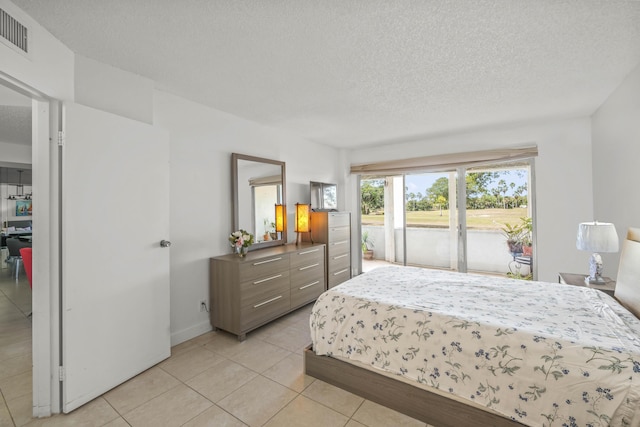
421 182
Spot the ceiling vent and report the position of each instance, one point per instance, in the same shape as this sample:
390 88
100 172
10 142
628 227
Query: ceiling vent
13 31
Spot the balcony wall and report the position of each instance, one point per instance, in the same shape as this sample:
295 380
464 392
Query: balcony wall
486 249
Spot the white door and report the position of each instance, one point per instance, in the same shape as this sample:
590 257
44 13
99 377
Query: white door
115 274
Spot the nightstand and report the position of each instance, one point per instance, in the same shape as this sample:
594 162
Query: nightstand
578 280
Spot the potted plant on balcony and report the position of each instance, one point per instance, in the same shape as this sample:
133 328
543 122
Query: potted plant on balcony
519 236
513 234
367 245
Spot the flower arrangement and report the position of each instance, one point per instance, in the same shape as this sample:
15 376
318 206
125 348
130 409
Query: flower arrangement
241 239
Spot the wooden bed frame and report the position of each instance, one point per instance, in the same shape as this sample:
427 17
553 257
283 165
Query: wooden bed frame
432 408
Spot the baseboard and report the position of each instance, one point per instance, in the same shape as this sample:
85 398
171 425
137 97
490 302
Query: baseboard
191 332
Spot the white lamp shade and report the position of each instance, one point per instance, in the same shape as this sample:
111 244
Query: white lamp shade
597 237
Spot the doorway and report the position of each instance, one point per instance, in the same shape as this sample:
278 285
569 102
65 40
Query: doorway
35 151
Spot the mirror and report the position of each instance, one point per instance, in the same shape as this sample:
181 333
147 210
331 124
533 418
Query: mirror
258 185
324 197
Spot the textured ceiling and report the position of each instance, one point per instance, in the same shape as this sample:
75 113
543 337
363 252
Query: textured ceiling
351 73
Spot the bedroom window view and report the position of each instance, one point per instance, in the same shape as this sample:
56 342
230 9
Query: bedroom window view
416 217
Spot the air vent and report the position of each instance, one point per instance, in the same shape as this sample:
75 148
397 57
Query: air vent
13 31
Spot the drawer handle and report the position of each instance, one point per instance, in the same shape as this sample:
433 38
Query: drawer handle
257 282
310 284
340 243
309 266
308 252
341 271
267 261
267 301
338 228
340 256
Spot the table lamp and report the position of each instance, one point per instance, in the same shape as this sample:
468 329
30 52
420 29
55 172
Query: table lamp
596 237
303 219
280 217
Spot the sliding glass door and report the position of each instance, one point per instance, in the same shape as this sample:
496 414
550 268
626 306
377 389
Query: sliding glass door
382 220
498 204
436 220
431 220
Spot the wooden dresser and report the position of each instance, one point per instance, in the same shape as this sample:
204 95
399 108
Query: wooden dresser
248 292
334 229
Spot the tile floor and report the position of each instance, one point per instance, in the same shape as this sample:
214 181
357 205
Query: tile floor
211 380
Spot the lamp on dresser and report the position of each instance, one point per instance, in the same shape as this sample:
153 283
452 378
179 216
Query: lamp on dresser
303 220
596 237
281 215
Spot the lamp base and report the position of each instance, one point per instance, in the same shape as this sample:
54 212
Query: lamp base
598 280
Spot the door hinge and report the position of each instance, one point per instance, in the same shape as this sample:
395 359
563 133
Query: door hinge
61 373
60 138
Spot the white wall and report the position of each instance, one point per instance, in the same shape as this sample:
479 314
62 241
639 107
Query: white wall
202 140
616 157
15 153
563 180
113 90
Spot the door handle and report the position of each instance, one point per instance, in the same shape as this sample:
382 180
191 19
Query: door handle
165 243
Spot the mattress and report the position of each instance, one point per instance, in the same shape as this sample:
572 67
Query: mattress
539 353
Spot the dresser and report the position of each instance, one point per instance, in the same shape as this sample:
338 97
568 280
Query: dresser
248 292
334 230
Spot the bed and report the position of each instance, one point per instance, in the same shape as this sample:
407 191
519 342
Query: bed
454 349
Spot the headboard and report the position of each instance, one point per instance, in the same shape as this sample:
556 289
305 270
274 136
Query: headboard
628 280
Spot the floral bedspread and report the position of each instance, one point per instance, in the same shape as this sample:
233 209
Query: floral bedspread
542 354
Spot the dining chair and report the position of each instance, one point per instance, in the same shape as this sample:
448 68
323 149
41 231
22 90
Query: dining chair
27 256
14 258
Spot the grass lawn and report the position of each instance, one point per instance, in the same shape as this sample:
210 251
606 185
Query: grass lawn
476 218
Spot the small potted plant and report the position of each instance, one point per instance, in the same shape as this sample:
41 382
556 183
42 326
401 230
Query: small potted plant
367 245
519 237
513 234
269 230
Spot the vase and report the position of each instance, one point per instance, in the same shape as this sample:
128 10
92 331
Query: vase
242 251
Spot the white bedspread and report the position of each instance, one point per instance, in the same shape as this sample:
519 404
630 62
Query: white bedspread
542 354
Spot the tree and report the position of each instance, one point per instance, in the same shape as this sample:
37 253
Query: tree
440 188
372 192
502 189
441 201
477 186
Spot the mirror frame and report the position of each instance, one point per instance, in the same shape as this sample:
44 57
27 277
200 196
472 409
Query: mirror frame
320 187
235 215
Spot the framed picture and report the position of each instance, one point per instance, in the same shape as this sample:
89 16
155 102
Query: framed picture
23 207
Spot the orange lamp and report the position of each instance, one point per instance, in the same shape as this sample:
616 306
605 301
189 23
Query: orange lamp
303 219
280 215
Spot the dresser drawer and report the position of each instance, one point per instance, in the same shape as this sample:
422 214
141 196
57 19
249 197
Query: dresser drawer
339 234
338 219
338 248
339 259
307 290
305 257
258 289
264 310
339 262
303 273
338 276
263 267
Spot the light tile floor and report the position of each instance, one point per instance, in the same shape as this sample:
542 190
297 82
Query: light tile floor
211 380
